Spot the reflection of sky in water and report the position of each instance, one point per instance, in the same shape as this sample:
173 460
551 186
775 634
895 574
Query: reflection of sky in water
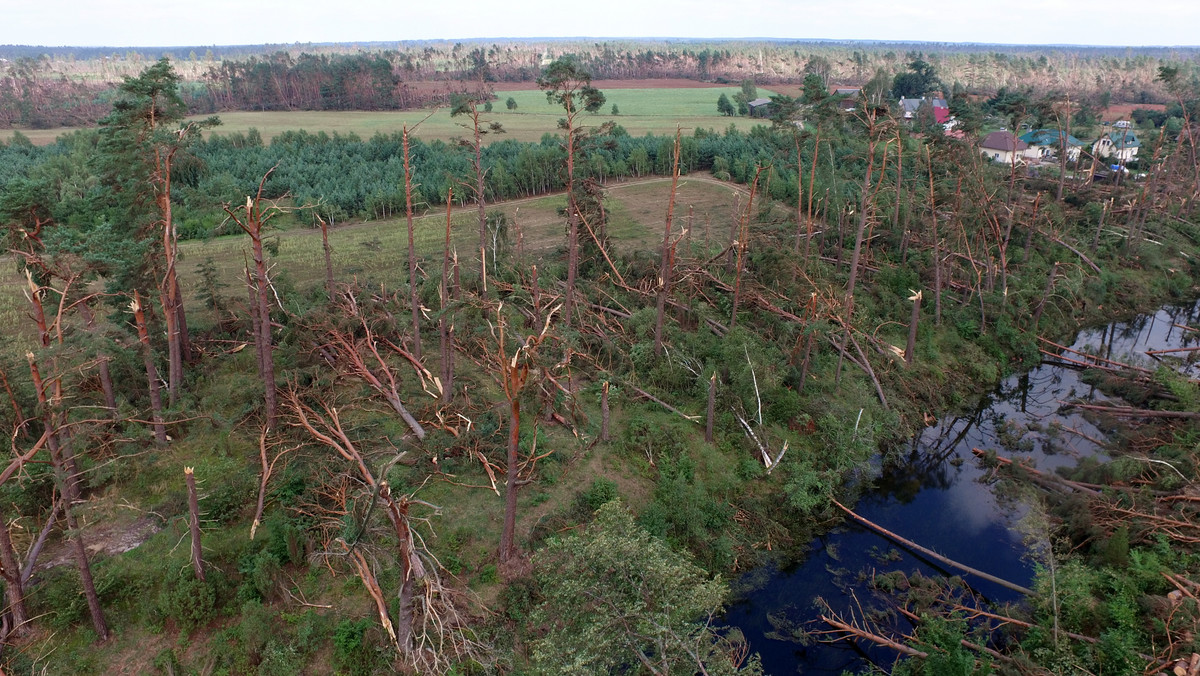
951 509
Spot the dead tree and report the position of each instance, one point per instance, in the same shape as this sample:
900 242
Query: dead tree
139 318
328 251
413 299
667 255
910 347
445 321
359 357
189 476
429 630
513 374
742 244
479 128
252 219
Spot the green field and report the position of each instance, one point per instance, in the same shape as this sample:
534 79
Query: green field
642 111
377 251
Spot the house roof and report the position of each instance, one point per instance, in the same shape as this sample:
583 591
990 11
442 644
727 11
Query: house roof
941 115
1003 140
1123 138
758 102
846 91
911 105
1048 137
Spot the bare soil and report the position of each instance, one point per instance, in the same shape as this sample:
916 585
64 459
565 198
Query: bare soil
653 83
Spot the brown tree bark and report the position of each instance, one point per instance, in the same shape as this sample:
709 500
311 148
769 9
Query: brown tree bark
328 257
413 300
507 545
14 587
189 477
711 411
168 286
910 347
139 317
252 219
604 411
742 243
445 323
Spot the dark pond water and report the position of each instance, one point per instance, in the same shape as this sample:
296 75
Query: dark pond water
933 492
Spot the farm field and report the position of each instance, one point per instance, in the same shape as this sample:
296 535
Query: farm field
642 111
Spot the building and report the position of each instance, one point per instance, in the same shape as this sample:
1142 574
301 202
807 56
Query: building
759 107
1121 144
1045 143
1003 146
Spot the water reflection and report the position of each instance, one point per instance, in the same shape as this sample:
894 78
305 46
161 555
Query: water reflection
933 492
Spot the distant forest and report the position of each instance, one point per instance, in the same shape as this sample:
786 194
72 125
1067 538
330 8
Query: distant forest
46 87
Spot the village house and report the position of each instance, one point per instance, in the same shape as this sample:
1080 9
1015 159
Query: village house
1046 143
1003 146
1120 144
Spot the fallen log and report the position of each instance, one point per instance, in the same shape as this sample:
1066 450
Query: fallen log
1042 476
873 638
660 402
1129 411
932 554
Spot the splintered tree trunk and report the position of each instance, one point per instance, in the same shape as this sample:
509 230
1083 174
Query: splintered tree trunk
189 476
139 317
413 300
169 289
734 229
445 325
937 249
711 411
507 542
255 325
604 412
665 263
14 588
910 348
328 257
264 315
572 226
741 251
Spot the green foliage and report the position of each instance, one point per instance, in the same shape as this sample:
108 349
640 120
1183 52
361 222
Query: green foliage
190 602
354 648
612 596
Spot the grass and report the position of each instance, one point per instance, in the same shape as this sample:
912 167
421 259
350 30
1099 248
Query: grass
378 250
642 111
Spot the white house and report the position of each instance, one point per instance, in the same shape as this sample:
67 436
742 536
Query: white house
1003 146
1121 145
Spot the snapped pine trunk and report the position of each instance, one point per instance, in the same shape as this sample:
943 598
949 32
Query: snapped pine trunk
413 299
139 317
189 476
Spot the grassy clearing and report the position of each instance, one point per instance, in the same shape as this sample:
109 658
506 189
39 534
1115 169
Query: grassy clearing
378 250
642 111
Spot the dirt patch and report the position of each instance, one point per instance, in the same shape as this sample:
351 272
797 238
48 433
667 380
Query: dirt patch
108 538
1123 111
652 83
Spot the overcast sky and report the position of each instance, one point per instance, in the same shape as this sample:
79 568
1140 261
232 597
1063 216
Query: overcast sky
149 23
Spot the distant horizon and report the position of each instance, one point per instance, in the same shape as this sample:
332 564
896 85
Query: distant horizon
602 39
229 23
